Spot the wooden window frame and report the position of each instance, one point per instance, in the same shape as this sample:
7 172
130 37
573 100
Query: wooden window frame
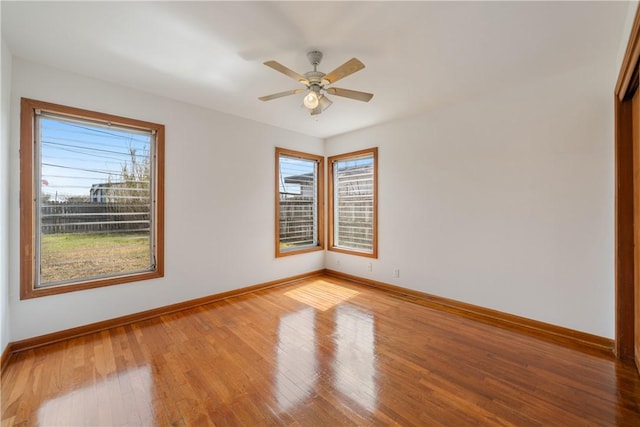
28 227
330 195
319 198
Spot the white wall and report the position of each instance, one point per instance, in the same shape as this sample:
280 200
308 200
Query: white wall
219 213
505 201
632 7
5 75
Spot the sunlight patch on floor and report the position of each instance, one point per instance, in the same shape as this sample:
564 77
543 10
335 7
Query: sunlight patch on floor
321 295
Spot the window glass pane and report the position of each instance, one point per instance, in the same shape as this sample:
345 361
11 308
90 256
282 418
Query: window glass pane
353 203
298 222
94 193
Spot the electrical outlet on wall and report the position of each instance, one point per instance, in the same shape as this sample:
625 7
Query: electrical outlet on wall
369 266
396 272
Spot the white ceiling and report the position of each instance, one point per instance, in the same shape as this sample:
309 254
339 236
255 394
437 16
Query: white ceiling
418 55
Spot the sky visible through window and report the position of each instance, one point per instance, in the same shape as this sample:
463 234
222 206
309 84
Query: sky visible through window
75 156
292 167
351 163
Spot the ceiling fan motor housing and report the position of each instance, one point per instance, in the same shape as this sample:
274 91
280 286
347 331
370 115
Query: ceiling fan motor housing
314 77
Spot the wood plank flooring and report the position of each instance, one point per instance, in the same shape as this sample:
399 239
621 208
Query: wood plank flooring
320 352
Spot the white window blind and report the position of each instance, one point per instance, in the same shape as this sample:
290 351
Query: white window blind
298 204
353 204
94 195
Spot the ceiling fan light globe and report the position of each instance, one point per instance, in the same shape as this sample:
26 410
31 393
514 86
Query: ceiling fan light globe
324 102
311 100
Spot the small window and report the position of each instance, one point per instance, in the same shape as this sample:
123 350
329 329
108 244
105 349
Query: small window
299 202
91 199
353 203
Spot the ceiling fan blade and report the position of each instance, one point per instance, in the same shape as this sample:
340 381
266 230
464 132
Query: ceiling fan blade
346 69
280 94
353 94
287 71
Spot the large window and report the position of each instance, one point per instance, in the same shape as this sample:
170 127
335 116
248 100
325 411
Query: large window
353 203
91 199
299 202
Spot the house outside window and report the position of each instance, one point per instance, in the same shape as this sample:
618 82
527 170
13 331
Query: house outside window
299 202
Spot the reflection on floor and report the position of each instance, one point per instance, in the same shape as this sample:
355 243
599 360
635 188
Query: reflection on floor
84 406
354 364
297 361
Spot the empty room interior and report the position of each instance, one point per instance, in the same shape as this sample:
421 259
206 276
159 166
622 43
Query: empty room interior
320 213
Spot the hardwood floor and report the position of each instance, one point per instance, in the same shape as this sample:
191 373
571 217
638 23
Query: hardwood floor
320 352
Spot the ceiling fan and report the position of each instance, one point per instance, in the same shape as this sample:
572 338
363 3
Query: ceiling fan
317 83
